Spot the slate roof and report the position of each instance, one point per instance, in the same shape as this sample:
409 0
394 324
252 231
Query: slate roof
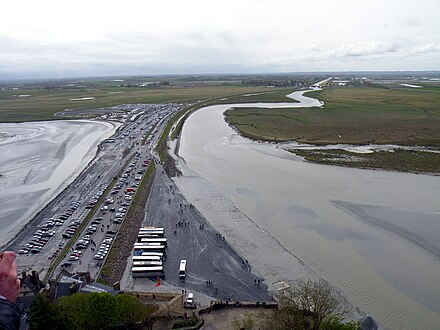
98 287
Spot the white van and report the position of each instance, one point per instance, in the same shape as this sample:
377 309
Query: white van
182 269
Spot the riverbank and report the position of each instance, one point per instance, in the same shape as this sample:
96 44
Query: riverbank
244 188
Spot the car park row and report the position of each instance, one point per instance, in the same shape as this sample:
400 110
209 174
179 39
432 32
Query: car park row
114 203
46 231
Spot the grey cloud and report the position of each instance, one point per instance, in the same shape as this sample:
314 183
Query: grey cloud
360 49
427 48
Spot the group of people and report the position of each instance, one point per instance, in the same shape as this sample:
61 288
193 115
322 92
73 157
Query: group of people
9 290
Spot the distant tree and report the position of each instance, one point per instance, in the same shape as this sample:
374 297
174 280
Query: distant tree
307 305
43 314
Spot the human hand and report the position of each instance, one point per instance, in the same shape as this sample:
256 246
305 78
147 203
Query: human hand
9 283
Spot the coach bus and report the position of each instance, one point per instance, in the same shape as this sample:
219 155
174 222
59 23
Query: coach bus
152 271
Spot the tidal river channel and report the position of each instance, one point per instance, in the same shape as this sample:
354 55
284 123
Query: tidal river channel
373 234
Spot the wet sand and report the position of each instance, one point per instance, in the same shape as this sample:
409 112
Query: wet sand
39 160
373 234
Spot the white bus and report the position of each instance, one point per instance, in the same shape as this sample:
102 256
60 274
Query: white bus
149 244
147 258
154 240
151 229
182 269
151 234
147 263
147 231
153 271
158 254
138 250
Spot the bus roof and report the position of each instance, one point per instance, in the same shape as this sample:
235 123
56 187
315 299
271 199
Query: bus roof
148 244
147 269
140 258
151 228
153 239
149 247
152 254
147 263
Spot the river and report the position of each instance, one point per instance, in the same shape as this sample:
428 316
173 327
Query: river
374 234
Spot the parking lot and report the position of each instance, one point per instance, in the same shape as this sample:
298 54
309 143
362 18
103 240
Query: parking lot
44 237
213 267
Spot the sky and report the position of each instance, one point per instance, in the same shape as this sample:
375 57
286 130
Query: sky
44 38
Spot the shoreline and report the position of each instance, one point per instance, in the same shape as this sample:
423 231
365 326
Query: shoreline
15 228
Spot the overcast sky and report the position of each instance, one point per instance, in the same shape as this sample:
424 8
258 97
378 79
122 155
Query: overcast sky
106 37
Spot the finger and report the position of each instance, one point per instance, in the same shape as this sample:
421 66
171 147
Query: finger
14 268
7 259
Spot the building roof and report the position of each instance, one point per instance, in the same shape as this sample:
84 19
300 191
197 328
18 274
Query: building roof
98 287
66 286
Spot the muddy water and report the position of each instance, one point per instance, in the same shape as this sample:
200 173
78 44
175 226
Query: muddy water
38 160
374 234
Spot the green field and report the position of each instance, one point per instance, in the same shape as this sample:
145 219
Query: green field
350 115
267 95
44 103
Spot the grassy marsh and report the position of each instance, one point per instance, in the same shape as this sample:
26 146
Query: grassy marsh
355 116
350 115
398 160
